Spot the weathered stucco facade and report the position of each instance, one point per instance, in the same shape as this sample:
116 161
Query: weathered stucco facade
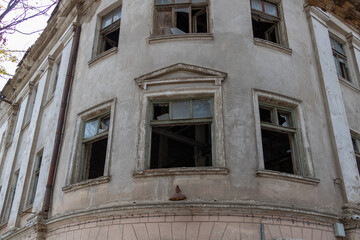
122 105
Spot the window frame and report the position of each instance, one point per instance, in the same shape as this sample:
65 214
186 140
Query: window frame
35 174
298 169
185 121
174 5
279 22
30 105
261 97
9 200
343 74
74 175
356 145
114 26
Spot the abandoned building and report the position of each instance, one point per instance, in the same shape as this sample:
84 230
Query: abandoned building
184 119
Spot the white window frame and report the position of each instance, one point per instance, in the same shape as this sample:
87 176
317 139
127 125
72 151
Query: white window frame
77 150
261 96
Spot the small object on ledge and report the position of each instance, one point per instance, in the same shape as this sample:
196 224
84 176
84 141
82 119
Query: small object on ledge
177 196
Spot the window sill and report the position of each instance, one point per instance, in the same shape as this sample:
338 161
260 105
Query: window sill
3 225
102 56
26 210
288 177
349 84
181 37
25 126
86 183
272 45
181 171
48 101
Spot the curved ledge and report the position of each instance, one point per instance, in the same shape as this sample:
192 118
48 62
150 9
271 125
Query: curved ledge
350 85
189 36
181 171
288 177
86 183
275 46
103 55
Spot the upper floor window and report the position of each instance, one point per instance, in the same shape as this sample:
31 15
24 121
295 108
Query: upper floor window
174 17
181 133
356 145
266 19
340 59
110 30
9 198
34 179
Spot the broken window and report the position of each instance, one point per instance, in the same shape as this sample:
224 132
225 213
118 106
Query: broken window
94 143
174 17
356 145
181 133
110 30
279 133
265 20
10 198
340 59
34 178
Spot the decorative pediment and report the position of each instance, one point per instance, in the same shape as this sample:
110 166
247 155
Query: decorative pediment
181 73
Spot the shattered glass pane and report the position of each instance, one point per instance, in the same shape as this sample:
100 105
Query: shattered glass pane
90 128
181 110
182 19
161 111
201 108
104 124
285 119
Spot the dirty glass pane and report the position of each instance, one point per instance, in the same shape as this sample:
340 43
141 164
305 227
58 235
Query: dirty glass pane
181 110
332 41
181 1
265 115
117 14
161 111
338 47
201 108
198 1
355 145
256 4
270 9
90 128
107 20
162 2
285 119
104 124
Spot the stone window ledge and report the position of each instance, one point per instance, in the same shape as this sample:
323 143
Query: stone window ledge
181 171
25 210
86 183
272 45
349 84
180 37
102 56
288 177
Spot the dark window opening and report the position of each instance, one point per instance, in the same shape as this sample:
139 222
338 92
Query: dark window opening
181 146
96 158
161 111
265 30
110 40
174 18
110 30
277 151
